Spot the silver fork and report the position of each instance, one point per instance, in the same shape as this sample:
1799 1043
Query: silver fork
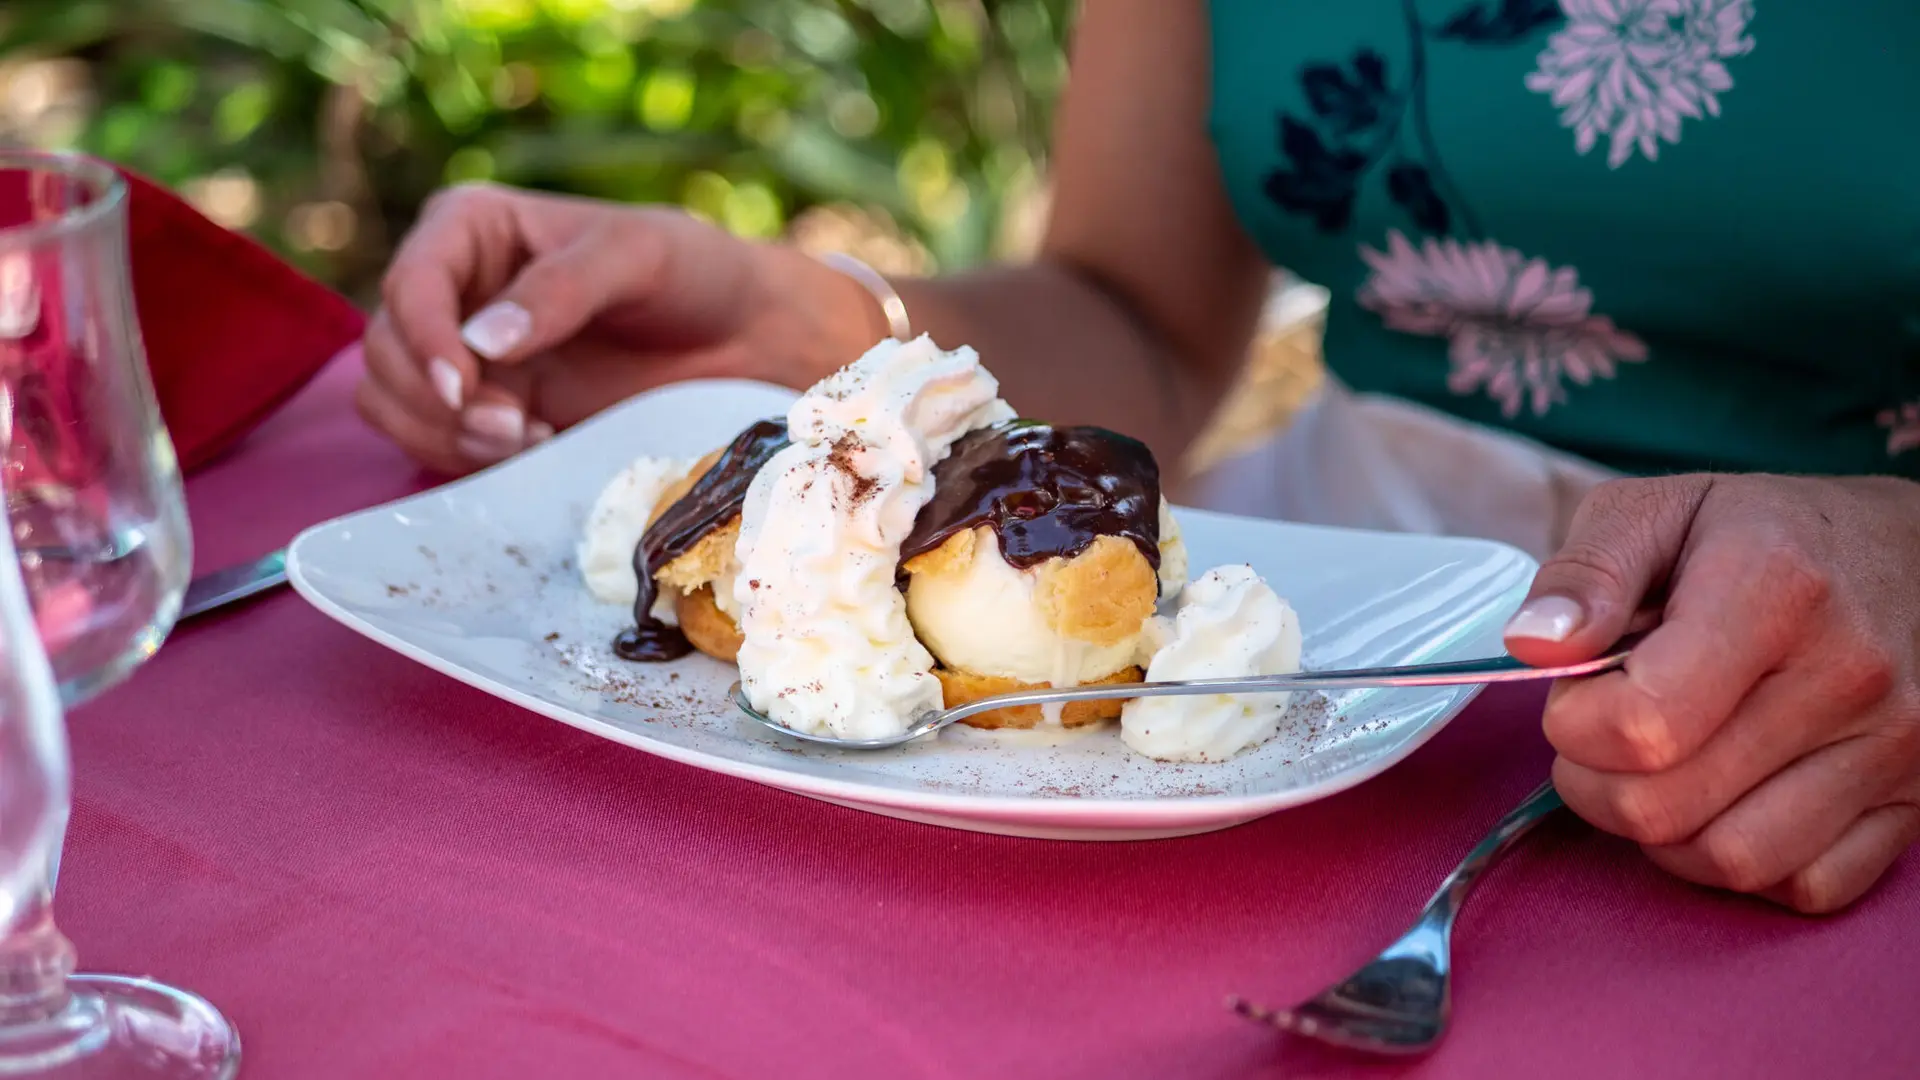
1399 1003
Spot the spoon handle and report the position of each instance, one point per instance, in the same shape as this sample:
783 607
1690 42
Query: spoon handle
1495 669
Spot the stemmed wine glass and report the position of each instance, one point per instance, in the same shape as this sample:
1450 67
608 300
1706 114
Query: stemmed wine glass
92 570
93 490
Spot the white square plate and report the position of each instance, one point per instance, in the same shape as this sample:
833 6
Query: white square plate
477 580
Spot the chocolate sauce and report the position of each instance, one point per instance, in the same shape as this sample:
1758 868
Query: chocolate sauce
1047 492
713 501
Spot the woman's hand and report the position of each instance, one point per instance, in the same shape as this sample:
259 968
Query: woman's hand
508 314
1765 736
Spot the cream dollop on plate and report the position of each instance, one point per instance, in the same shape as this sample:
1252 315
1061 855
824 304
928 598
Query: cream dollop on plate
617 521
1230 623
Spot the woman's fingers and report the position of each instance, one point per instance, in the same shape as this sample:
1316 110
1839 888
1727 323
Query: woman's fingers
495 426
396 397
1756 734
556 294
1788 820
509 311
1666 807
467 243
1624 541
1740 603
434 395
428 442
1851 866
1835 692
411 382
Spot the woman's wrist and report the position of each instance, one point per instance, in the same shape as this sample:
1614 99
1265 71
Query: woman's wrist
831 317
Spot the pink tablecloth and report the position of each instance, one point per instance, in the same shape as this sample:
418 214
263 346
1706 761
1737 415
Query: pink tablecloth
379 872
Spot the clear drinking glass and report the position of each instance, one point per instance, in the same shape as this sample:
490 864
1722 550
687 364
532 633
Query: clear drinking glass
93 489
92 570
53 1022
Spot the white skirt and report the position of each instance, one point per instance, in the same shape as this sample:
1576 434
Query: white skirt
1370 462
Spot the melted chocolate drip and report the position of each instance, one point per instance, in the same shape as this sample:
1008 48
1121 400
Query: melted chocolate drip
713 501
1047 492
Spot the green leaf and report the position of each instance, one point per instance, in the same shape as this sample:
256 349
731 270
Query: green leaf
54 28
168 87
242 111
666 99
930 111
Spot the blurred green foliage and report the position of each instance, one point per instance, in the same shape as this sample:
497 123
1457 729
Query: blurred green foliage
321 125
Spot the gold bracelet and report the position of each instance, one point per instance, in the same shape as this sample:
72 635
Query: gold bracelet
891 306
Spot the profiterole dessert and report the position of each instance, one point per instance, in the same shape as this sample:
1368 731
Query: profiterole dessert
1039 562
687 546
900 542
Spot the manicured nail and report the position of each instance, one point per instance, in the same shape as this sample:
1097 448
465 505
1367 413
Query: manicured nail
497 423
484 450
497 329
539 431
1546 618
446 382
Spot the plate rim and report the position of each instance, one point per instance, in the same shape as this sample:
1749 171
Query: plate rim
1065 810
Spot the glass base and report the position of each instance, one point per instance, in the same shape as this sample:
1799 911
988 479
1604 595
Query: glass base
117 1026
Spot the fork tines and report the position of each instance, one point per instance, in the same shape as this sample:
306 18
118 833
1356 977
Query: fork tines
1283 1019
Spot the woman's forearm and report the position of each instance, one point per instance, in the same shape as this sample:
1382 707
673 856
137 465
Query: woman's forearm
1067 351
1139 310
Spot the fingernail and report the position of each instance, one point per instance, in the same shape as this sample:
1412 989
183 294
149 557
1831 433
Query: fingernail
484 450
446 381
497 329
539 431
496 423
1547 618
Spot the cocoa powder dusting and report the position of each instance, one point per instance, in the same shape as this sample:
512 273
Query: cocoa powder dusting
840 458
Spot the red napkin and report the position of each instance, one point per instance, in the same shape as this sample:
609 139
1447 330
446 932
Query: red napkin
231 331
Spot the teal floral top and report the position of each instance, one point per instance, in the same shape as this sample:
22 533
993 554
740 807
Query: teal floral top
1663 234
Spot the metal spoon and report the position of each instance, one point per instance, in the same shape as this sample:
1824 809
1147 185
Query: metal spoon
1493 669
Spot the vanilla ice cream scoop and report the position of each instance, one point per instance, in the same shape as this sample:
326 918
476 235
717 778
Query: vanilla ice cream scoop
826 645
1038 560
978 614
617 521
1230 624
1173 554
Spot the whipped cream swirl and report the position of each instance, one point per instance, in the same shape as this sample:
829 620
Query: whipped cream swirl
827 646
1230 623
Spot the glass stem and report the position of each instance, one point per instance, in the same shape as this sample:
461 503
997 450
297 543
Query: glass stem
35 960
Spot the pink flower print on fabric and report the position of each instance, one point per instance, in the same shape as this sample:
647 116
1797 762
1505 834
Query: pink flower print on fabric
1517 327
1903 428
1632 70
